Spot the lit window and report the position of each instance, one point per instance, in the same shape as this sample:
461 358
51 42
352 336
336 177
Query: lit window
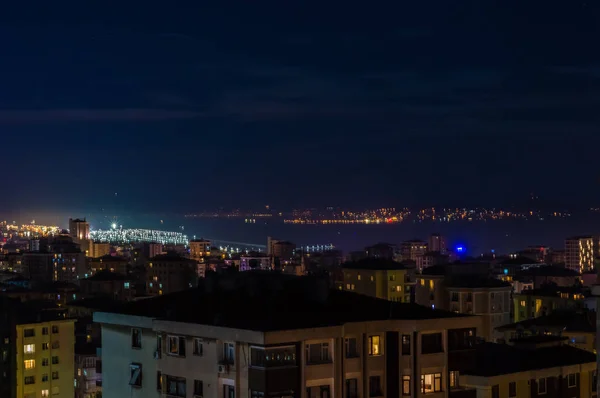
374 346
372 278
358 277
398 288
30 364
45 393
431 383
406 385
523 303
29 348
126 285
454 379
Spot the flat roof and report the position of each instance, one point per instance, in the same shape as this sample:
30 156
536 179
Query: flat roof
499 359
267 303
378 264
569 321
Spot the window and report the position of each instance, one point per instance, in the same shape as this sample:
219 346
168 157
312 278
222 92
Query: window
55 345
257 394
45 393
594 377
317 353
375 386
541 386
176 346
431 383
229 353
454 378
55 329
29 348
198 347
158 380
406 344
29 333
496 391
135 375
431 343
358 277
126 285
406 385
572 380
454 296
136 338
351 348
45 362
392 278
198 388
352 388
55 390
45 346
54 360
512 389
30 364
374 347
44 377
229 392
29 380
54 375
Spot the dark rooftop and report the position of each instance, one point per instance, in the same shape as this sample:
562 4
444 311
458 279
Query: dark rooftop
108 257
267 301
171 256
548 270
552 290
374 264
500 359
474 282
106 275
97 304
569 321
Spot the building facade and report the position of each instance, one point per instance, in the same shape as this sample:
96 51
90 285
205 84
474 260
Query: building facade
379 278
579 253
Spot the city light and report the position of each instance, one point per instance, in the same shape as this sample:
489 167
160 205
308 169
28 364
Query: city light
133 235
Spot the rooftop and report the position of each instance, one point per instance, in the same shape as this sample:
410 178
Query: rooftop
268 301
500 359
172 256
552 290
379 264
569 321
105 275
108 258
548 270
475 282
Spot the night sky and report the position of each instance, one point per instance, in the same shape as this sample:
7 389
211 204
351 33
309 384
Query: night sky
298 103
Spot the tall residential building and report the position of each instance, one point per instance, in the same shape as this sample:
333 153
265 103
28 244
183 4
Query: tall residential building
79 229
38 352
414 250
579 253
279 336
384 279
199 248
169 273
437 244
467 294
98 249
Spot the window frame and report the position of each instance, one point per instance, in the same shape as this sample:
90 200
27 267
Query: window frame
406 345
436 387
406 385
574 375
374 346
495 391
198 348
135 379
348 352
512 388
198 392
180 345
375 392
137 343
539 384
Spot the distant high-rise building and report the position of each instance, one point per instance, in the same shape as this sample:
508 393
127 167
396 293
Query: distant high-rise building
79 229
579 253
199 248
98 249
437 243
414 250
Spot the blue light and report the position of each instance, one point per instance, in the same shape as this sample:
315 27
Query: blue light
505 271
460 249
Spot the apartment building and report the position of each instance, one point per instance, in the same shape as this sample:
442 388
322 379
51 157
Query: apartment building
379 278
467 294
534 303
578 326
278 336
169 273
579 253
540 366
37 350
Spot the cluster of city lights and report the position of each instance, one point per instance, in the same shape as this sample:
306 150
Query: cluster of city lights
28 230
133 235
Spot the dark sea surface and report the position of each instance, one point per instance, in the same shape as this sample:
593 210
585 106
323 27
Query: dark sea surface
476 236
